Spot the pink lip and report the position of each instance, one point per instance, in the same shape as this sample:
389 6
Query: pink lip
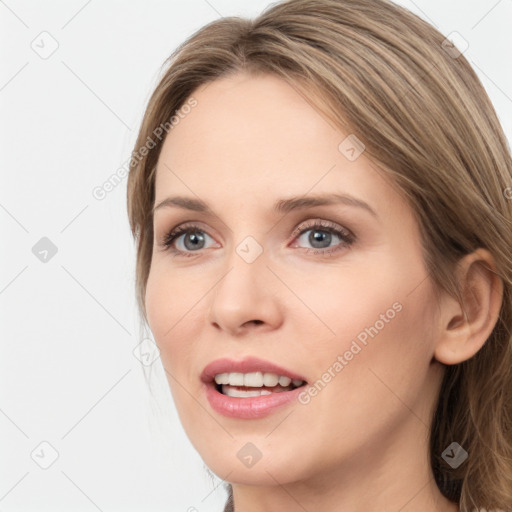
246 408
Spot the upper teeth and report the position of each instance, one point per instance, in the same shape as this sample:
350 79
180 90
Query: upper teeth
255 379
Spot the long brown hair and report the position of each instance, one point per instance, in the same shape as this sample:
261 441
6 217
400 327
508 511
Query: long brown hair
378 71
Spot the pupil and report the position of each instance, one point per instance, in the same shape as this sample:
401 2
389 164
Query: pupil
320 236
195 239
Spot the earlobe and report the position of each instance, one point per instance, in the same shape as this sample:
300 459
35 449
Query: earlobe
464 329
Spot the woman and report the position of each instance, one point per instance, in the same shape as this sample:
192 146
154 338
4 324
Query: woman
321 200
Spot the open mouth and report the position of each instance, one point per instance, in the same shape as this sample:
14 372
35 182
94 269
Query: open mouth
249 388
247 385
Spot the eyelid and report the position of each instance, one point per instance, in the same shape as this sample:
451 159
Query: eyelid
320 223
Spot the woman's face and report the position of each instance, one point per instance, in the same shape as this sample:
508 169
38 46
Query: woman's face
332 290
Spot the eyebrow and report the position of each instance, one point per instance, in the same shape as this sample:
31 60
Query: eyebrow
281 206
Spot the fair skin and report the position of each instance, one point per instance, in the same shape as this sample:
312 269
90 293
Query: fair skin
361 444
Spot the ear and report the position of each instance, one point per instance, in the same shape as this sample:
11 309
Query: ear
465 328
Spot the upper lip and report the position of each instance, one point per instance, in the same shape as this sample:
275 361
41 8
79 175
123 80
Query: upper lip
246 365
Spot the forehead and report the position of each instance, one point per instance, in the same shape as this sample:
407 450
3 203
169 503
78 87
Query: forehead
244 117
257 138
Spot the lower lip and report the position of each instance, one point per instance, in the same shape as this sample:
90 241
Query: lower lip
251 407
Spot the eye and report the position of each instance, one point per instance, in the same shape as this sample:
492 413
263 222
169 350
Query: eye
321 235
185 240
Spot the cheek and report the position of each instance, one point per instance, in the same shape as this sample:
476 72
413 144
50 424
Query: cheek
365 391
380 318
173 314
379 360
172 297
172 306
348 304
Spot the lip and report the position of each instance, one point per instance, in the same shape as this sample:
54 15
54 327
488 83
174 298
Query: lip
248 408
252 407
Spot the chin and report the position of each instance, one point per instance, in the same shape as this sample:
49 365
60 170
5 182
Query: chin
259 474
252 460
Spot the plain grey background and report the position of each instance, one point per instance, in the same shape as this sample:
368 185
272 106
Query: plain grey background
78 427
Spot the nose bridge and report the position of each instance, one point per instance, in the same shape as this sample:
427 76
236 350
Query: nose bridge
245 251
246 272
244 293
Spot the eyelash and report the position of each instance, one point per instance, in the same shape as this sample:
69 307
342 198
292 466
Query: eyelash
347 238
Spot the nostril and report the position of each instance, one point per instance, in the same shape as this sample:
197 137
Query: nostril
255 322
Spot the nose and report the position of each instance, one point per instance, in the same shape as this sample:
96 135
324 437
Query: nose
246 298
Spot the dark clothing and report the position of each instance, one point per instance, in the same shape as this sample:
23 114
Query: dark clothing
229 504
